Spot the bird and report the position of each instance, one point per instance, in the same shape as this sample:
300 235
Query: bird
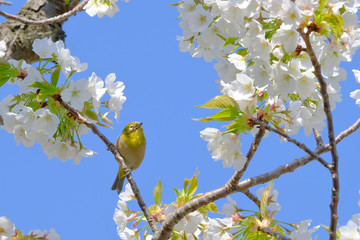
131 144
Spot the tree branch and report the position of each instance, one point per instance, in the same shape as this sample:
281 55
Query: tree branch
294 141
111 147
5 3
327 109
252 197
243 186
59 18
231 184
348 131
272 233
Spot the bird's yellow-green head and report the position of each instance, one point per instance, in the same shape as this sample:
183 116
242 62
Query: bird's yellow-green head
132 128
133 135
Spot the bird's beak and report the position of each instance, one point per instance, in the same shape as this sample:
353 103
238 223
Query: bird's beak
139 125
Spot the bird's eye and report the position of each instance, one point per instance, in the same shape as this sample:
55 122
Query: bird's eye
131 127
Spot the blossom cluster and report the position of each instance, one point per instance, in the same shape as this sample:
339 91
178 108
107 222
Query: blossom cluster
198 225
102 7
8 232
224 147
267 57
262 58
34 115
352 229
235 224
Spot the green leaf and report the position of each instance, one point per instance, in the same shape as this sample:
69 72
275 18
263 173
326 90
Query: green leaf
264 199
186 183
6 71
103 125
193 186
190 185
176 191
55 77
221 102
342 10
157 194
224 115
322 4
239 125
326 228
336 24
49 91
67 2
212 207
174 235
39 85
318 12
230 40
243 52
92 115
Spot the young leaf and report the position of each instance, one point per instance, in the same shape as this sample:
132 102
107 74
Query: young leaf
176 191
221 102
229 40
92 115
6 72
103 125
225 115
55 77
186 183
336 24
212 207
39 85
48 91
157 194
264 199
193 186
325 227
239 125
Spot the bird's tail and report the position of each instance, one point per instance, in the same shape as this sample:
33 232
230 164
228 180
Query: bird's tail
118 184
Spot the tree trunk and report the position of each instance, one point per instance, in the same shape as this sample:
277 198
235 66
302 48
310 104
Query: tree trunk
19 37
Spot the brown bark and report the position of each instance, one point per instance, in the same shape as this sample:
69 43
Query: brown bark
19 37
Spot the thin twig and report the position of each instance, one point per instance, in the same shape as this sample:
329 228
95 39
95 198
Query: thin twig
118 158
5 3
294 141
254 146
327 109
348 131
252 197
272 233
59 18
242 186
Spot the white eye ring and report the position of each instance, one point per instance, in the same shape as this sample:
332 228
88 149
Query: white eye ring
131 127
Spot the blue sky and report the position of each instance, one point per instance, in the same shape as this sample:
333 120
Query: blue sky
162 87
